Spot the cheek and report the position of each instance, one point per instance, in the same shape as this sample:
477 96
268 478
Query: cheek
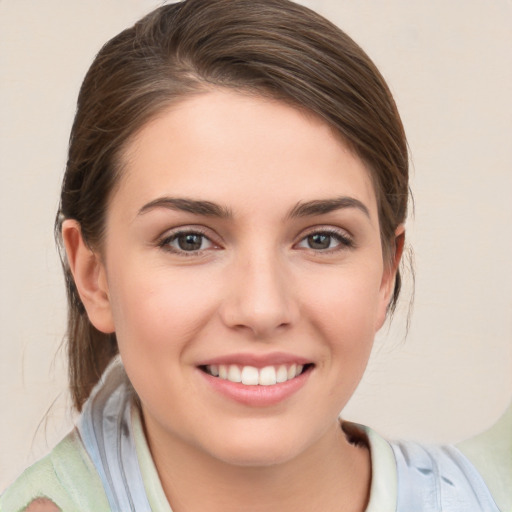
156 309
157 316
344 305
342 308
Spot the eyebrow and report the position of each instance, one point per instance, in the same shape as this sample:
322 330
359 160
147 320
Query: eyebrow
209 209
194 206
323 206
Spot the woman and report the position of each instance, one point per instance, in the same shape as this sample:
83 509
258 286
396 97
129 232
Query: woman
233 217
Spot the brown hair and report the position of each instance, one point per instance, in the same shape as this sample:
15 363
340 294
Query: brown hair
270 47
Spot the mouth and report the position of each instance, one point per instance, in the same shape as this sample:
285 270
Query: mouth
253 376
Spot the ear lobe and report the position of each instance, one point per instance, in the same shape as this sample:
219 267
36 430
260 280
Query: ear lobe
389 275
89 276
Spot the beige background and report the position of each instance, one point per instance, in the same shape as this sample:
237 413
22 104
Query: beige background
449 65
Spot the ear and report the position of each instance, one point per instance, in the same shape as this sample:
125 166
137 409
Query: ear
387 285
89 275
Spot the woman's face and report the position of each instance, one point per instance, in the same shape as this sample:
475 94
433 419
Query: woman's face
243 240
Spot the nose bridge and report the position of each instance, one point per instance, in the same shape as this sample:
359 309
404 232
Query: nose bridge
261 298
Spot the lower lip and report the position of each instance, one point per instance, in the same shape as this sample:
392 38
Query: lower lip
257 396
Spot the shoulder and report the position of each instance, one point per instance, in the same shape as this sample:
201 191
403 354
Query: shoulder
409 476
491 454
437 478
65 479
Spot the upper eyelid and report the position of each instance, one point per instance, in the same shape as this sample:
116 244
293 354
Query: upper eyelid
325 229
197 229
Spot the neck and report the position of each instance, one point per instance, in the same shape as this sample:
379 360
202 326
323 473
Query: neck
331 475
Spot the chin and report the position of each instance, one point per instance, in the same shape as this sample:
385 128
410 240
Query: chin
256 456
260 447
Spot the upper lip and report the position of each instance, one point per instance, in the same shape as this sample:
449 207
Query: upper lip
256 360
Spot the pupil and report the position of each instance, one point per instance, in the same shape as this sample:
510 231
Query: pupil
319 241
190 242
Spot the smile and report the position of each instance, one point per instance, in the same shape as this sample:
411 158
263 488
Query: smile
252 376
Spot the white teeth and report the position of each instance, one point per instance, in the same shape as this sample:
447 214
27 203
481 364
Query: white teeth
282 374
267 376
234 373
252 376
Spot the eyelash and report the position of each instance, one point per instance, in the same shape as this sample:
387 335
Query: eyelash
344 241
166 241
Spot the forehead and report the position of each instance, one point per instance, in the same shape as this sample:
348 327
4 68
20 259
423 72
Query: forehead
230 147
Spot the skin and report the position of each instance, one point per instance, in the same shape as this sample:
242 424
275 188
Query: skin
42 505
260 284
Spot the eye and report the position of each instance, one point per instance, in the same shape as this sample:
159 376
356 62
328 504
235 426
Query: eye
325 241
186 242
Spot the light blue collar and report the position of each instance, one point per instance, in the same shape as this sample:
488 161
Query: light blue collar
106 430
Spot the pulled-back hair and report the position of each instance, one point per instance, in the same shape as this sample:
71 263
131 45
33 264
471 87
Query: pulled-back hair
273 48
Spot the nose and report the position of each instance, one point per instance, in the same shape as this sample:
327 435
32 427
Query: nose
259 297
